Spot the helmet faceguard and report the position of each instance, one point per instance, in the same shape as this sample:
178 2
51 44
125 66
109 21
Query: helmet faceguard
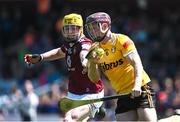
97 25
72 27
71 32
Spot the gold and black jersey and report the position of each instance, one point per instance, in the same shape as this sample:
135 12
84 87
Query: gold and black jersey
116 67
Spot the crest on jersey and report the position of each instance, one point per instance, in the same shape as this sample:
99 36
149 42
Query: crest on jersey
69 51
113 49
106 52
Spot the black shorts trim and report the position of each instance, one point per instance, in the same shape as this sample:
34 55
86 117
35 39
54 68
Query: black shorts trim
144 101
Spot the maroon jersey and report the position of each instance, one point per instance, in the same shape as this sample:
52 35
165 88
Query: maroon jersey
79 83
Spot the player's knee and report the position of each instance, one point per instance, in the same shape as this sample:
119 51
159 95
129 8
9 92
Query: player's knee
67 119
75 115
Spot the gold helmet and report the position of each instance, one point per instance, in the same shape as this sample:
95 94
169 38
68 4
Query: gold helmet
72 27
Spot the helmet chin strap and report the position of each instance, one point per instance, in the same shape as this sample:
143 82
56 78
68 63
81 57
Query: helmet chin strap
73 40
76 40
101 39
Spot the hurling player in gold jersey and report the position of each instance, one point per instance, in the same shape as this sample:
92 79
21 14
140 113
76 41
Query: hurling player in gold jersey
122 65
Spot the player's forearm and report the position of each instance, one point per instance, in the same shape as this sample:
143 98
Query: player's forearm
138 70
93 72
53 55
135 61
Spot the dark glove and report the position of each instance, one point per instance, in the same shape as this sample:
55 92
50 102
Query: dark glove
32 58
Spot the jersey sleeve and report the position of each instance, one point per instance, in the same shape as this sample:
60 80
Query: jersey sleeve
86 45
126 45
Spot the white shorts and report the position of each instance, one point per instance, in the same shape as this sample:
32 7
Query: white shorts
94 107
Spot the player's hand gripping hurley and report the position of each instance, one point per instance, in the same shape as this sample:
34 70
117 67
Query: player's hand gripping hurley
95 51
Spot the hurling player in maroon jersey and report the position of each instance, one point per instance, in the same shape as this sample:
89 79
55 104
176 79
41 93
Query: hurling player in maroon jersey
74 50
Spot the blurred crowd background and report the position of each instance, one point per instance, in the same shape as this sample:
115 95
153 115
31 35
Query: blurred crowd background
34 26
